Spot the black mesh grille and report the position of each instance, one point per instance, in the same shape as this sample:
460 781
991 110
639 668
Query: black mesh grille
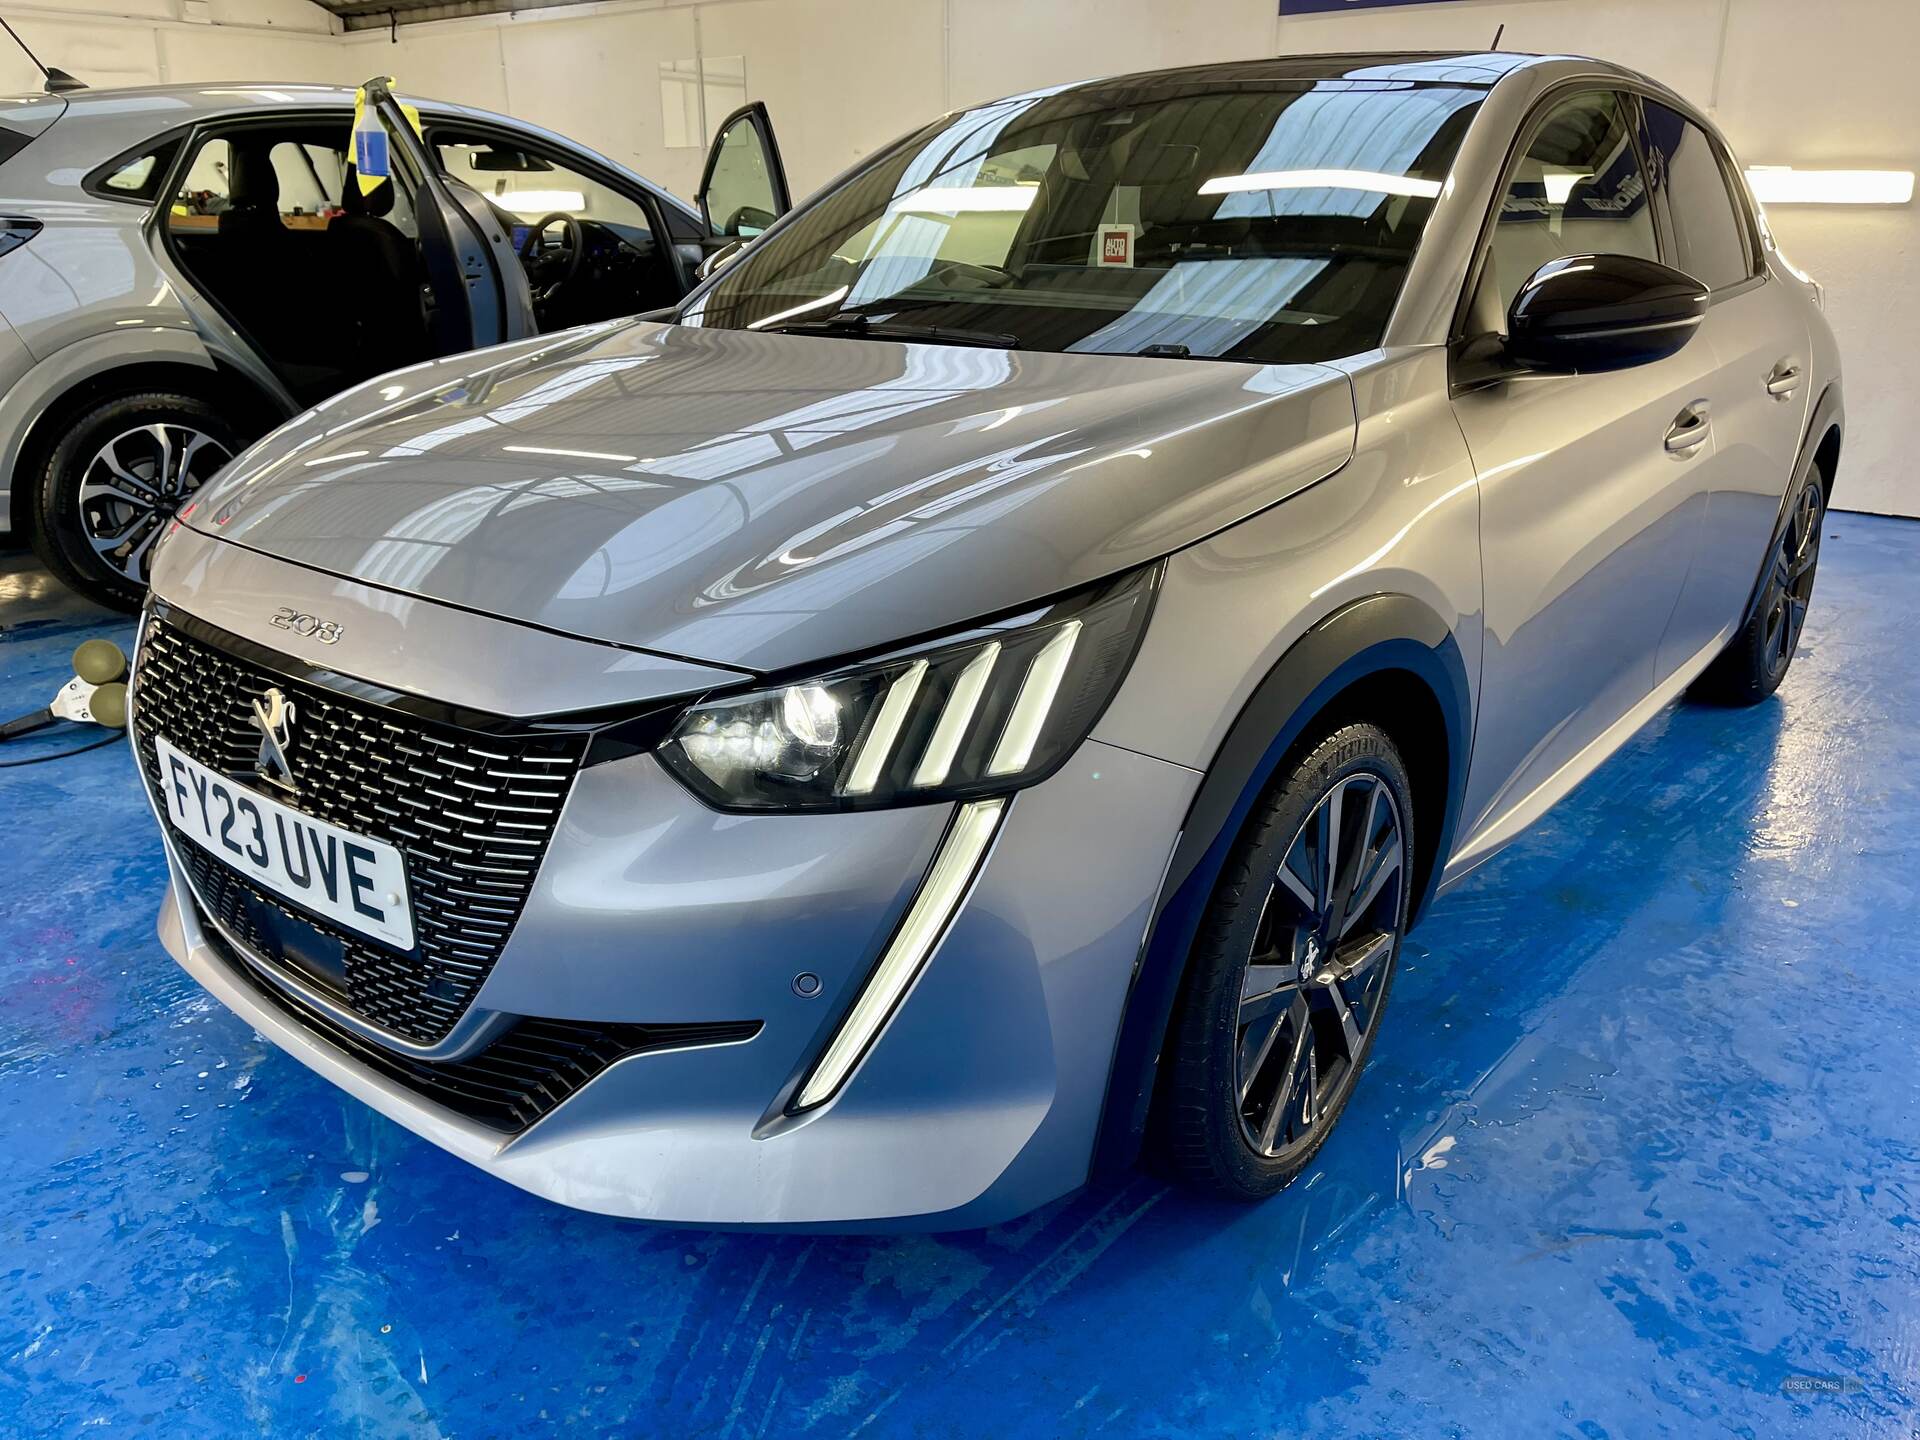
519 1077
472 812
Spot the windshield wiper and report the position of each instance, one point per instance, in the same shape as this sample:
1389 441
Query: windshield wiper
860 325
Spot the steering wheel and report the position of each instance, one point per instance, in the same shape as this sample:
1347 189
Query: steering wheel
548 271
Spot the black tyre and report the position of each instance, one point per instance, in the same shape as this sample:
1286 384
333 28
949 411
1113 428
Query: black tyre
122 467
1757 659
1291 969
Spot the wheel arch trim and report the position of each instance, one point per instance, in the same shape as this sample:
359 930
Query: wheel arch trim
91 364
1373 636
1828 418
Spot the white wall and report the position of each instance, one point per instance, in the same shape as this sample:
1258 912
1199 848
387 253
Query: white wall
146 42
1791 82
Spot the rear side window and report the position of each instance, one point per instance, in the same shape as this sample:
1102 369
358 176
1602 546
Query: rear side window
310 180
136 177
1709 239
291 176
1579 190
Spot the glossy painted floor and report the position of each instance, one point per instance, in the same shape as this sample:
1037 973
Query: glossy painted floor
1639 1155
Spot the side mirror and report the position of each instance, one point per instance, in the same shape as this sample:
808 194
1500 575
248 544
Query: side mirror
1602 312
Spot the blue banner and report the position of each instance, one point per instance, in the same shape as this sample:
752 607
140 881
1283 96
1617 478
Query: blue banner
1321 7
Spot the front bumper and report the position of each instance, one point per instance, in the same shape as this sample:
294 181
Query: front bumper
979 1101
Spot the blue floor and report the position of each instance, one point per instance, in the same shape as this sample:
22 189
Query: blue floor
1638 1156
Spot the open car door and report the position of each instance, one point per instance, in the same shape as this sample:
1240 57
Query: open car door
744 187
477 291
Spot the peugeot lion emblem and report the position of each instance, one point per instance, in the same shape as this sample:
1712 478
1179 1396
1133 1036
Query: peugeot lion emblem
273 718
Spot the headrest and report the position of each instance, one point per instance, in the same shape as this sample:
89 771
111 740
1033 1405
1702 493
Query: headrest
250 177
378 204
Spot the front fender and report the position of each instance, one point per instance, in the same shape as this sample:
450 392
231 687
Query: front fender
1378 635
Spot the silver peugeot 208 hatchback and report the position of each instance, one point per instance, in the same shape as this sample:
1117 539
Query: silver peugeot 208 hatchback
985 686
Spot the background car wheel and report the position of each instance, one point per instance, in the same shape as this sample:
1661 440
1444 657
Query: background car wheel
1756 660
125 464
1291 969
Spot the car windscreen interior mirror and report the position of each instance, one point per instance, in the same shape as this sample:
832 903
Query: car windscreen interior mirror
1602 312
495 159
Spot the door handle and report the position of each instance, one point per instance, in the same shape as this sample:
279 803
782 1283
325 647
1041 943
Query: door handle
1690 427
1784 380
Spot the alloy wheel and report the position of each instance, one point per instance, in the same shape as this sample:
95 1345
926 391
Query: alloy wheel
135 483
1790 582
1318 969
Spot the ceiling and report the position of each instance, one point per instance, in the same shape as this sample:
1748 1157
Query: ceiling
379 14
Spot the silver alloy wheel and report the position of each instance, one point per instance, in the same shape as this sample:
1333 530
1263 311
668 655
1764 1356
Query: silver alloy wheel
133 485
1790 582
1314 979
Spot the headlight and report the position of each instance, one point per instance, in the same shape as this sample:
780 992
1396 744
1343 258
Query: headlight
998 708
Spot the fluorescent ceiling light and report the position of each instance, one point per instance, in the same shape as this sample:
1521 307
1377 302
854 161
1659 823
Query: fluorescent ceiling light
831 298
955 199
1784 185
570 454
542 202
1374 180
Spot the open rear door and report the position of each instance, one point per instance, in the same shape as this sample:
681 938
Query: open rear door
477 289
744 187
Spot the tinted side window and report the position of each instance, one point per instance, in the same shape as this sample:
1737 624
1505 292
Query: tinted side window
740 197
531 187
1708 237
1579 190
310 179
138 178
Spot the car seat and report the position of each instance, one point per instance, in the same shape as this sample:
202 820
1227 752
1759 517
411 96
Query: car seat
378 272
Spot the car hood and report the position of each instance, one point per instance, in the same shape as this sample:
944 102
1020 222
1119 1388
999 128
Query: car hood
763 501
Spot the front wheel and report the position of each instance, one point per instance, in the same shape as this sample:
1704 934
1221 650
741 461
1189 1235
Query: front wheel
1292 968
124 466
1757 658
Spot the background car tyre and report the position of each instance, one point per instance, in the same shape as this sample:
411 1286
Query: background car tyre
1757 659
123 467
1291 969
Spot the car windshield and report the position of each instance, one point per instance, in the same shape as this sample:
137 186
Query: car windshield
1258 221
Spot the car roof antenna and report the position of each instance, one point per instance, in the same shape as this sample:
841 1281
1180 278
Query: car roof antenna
1495 47
58 81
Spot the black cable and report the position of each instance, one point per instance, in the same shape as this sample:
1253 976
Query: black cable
63 754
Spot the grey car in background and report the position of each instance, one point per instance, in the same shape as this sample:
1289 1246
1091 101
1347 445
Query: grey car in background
986 686
184 267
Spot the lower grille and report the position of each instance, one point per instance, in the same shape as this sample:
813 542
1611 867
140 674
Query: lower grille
517 1079
472 811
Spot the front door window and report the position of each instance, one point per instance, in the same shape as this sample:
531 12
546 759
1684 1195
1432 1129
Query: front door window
742 195
1579 190
589 250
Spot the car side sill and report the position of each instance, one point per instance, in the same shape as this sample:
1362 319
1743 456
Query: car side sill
1494 835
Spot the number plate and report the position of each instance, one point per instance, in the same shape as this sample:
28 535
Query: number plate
354 881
